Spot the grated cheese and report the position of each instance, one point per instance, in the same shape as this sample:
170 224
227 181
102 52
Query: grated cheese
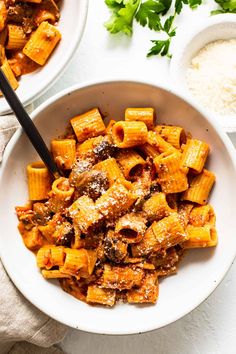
211 77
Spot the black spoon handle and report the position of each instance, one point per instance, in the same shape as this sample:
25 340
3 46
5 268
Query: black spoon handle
28 125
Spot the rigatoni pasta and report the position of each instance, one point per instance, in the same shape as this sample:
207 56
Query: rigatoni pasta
201 236
64 151
111 169
16 37
195 154
128 134
175 136
39 181
88 125
131 202
171 174
200 187
145 115
131 163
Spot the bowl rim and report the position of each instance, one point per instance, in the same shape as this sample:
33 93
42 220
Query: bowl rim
231 152
181 46
62 65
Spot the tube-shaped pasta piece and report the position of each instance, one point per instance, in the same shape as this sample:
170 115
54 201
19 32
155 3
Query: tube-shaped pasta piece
39 181
149 150
50 256
121 278
75 261
117 199
9 74
64 151
92 259
86 149
111 169
200 187
156 207
98 295
145 115
88 125
129 134
3 15
201 236
16 37
202 215
172 175
147 292
155 140
131 227
161 234
60 195
42 42
184 210
132 163
175 136
84 213
53 274
195 154
79 263
109 127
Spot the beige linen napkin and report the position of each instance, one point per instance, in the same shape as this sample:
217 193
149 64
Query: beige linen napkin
20 321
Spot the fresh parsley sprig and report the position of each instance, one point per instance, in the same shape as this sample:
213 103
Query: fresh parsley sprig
225 6
122 16
161 47
149 13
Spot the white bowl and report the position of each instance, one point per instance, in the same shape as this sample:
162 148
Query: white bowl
71 26
188 44
200 271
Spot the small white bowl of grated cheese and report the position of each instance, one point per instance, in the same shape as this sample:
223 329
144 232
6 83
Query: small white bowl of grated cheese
204 67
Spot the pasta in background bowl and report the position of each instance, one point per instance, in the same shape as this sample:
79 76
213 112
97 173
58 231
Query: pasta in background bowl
41 67
200 270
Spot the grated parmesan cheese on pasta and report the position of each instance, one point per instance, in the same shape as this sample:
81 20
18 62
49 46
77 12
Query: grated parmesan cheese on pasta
211 77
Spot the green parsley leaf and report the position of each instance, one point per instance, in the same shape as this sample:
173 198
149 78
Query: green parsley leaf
167 4
148 14
168 24
122 16
178 6
227 5
194 3
161 47
114 4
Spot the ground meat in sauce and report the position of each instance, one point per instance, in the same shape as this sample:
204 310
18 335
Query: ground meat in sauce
92 183
79 167
42 213
104 150
66 239
114 249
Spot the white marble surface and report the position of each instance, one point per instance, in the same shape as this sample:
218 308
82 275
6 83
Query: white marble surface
211 328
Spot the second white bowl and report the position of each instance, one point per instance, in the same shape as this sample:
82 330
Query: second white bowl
189 43
71 26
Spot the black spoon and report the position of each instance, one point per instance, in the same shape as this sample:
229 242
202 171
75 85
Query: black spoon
28 125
